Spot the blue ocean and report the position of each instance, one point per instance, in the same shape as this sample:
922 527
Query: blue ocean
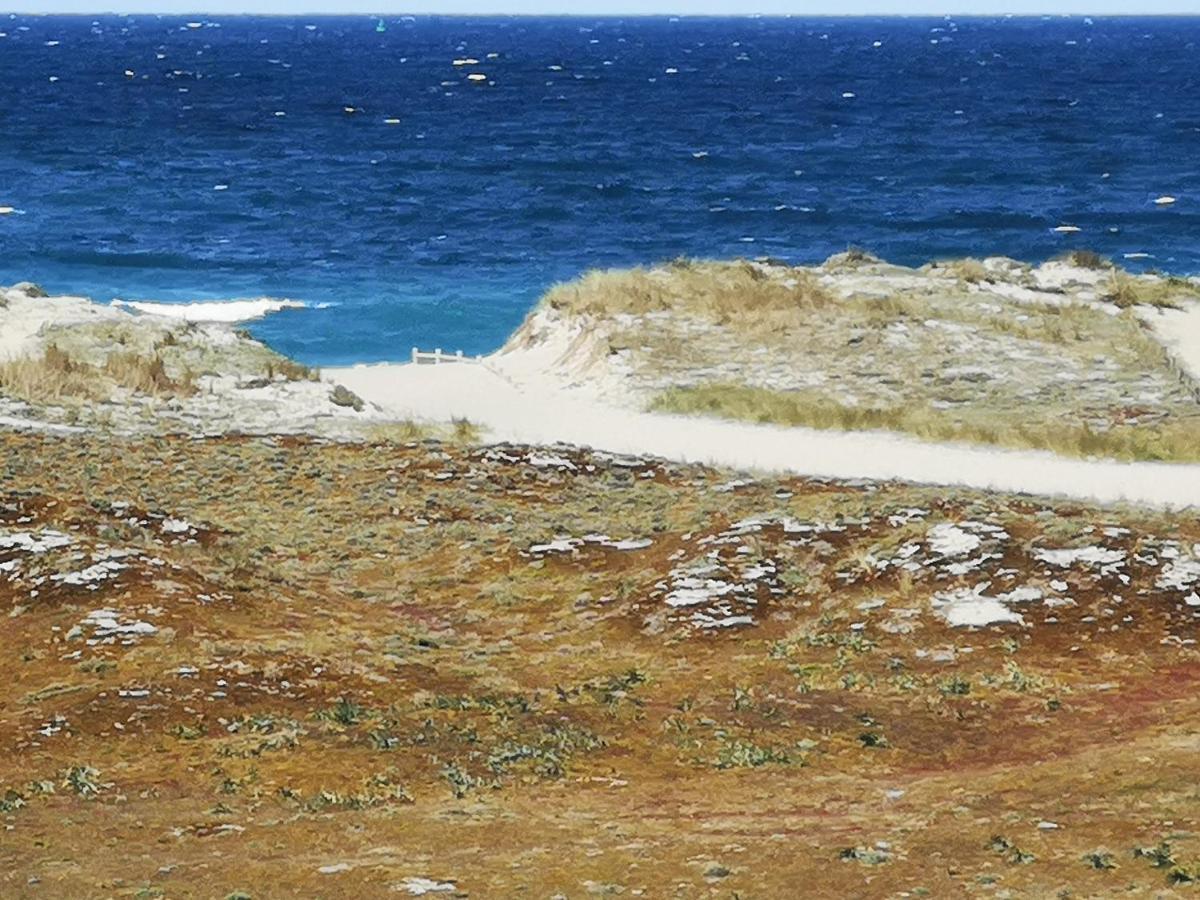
422 180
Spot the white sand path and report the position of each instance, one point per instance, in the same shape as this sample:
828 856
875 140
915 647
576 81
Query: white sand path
540 411
1179 332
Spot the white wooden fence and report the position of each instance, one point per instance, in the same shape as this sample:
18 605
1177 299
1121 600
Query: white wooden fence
437 357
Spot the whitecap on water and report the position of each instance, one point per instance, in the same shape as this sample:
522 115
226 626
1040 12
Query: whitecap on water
1165 200
229 311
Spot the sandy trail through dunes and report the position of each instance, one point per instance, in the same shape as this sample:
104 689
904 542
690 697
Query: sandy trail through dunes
541 410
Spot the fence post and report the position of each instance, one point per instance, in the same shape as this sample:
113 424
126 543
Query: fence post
437 356
414 355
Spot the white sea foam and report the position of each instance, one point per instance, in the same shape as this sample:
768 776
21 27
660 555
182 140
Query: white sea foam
212 310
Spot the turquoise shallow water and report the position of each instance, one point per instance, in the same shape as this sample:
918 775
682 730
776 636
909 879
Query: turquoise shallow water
173 159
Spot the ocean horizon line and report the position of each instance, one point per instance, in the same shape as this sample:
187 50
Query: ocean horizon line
476 16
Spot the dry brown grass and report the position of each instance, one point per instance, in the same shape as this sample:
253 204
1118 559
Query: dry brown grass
1174 441
56 378
1087 259
878 312
725 292
52 378
147 375
292 370
1125 290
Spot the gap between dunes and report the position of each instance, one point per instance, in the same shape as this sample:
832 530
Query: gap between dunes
542 411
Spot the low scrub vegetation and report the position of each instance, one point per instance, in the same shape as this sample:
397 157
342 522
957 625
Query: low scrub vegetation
359 648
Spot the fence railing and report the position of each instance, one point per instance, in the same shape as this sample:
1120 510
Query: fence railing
436 357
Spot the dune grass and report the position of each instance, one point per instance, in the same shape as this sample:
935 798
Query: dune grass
1174 441
736 293
56 377
147 375
1126 291
51 378
290 370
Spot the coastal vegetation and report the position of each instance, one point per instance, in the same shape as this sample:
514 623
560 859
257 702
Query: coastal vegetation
1060 357
382 657
356 668
1126 291
56 377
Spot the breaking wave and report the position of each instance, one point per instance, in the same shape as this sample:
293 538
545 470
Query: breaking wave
231 311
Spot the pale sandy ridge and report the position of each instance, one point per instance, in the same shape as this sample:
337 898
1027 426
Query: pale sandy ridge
542 410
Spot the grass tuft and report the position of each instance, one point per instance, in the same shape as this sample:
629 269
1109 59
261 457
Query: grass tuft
1166 293
57 377
147 375
1086 259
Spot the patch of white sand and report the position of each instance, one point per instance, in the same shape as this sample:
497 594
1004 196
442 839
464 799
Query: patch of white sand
947 539
1179 331
25 316
1090 556
972 608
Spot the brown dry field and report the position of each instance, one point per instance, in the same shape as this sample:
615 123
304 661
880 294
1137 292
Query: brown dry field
349 658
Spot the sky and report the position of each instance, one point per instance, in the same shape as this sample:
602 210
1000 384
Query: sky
624 7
